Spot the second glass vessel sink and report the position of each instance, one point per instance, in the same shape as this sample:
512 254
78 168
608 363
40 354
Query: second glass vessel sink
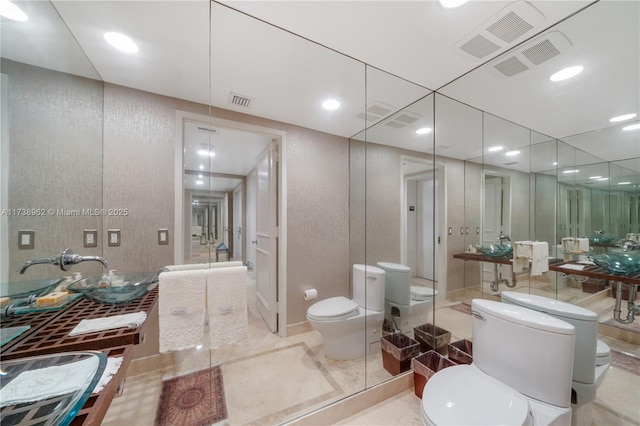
618 263
135 286
495 250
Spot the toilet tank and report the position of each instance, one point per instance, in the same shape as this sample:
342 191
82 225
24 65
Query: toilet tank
368 287
584 321
397 283
530 351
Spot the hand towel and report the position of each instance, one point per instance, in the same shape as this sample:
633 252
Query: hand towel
113 365
582 245
94 325
573 266
186 267
539 257
182 299
568 245
521 255
36 385
227 305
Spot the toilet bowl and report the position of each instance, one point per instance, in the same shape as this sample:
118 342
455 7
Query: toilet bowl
510 380
592 356
352 328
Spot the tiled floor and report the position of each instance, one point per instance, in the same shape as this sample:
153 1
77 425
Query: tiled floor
269 380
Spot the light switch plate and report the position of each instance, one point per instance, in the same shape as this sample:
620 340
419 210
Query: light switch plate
114 237
26 239
91 238
163 237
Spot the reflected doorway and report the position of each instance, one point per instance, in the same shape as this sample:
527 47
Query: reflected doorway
496 219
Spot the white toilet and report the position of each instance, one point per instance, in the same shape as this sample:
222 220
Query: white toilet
351 329
406 306
592 356
511 381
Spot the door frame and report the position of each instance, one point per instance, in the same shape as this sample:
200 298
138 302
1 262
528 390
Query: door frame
178 249
441 227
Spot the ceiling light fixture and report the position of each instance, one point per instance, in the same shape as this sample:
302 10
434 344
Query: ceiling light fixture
331 104
623 117
566 172
511 153
566 73
201 167
11 11
555 163
632 127
624 183
605 178
496 148
424 130
206 152
595 177
199 182
121 42
452 3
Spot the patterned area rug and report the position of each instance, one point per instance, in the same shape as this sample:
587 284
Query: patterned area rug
195 399
625 362
462 307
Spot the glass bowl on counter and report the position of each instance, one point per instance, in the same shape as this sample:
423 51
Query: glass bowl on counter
618 263
101 290
495 250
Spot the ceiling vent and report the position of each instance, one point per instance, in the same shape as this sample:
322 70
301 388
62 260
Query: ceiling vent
240 100
501 30
375 111
532 54
402 119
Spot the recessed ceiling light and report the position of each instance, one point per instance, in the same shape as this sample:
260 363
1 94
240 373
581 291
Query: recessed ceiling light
11 11
206 152
121 42
566 73
496 148
624 183
555 163
452 3
424 130
199 182
632 127
331 104
570 171
595 177
511 153
623 117
201 167
200 176
603 178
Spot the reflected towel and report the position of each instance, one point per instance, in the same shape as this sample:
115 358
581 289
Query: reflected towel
539 257
573 266
227 305
521 255
181 309
36 385
186 267
568 245
113 365
94 325
582 246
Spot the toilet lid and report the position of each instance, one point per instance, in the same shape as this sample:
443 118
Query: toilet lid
422 293
464 395
603 353
333 309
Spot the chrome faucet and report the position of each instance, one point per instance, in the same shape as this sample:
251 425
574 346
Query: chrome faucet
503 237
630 245
63 260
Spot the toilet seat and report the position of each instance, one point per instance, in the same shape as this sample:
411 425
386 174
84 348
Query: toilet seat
333 309
422 293
464 395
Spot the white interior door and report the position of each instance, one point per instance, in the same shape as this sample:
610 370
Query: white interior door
225 219
266 237
250 233
425 231
237 223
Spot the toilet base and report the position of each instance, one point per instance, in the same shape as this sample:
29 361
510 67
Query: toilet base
417 313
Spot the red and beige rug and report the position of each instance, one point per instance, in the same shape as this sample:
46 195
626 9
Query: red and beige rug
194 399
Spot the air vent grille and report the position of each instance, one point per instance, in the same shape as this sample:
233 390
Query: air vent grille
240 100
375 111
479 47
511 66
509 27
541 52
402 119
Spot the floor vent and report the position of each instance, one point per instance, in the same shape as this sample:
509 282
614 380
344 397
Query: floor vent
532 54
240 100
504 28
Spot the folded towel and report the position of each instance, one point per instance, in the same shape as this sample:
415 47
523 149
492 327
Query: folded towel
181 309
522 249
520 264
48 382
573 266
186 267
568 245
539 257
112 367
94 325
586 262
583 244
227 305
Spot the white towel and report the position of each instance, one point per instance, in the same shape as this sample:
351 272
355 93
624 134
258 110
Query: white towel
583 244
573 266
539 257
227 305
568 245
181 309
187 267
112 367
93 325
36 385
521 255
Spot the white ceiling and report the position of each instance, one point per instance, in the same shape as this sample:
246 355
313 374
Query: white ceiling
298 52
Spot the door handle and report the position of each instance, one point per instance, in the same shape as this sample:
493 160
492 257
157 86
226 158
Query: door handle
254 242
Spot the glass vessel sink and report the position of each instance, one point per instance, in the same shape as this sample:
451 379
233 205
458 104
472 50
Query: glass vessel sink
25 289
48 389
602 241
495 250
618 263
135 285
